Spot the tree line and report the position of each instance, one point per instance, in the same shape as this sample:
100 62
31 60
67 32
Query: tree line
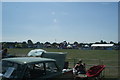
61 45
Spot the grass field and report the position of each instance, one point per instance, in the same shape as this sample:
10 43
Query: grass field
106 57
75 53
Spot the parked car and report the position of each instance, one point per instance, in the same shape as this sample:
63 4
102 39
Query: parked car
50 66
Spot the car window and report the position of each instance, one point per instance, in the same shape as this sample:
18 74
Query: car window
11 70
51 67
35 70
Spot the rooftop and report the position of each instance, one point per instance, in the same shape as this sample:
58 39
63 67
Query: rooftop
25 60
102 45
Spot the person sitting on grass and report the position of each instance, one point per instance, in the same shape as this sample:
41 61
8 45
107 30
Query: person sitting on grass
79 68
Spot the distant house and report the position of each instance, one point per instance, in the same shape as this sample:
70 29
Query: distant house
102 46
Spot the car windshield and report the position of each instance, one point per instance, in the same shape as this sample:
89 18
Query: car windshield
11 70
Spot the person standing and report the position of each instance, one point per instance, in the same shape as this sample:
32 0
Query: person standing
4 53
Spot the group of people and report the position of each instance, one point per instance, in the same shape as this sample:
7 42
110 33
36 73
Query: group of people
79 68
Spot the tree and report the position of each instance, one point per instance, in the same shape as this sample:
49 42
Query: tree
75 43
24 45
101 41
4 45
111 42
30 44
18 45
97 43
54 45
38 45
81 45
104 42
47 44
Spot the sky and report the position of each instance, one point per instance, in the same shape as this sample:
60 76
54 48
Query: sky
60 21
0 21
60 0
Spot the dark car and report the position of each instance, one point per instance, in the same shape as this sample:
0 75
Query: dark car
29 68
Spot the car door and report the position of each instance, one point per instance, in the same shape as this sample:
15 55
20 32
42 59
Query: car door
41 71
34 71
52 71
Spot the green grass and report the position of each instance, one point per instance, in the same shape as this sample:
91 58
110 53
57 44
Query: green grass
89 54
75 53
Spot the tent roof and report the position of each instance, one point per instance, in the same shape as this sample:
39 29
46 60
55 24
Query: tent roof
102 45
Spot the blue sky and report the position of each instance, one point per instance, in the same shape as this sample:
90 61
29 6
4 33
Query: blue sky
0 21
59 21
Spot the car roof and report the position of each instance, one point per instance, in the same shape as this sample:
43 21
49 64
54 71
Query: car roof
26 60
